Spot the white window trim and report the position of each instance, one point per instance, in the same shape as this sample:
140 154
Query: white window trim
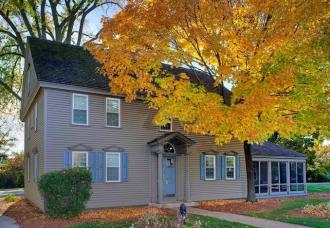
87 110
28 168
234 162
106 167
80 152
35 116
171 129
119 112
214 173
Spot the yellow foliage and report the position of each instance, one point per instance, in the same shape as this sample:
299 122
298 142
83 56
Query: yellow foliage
274 52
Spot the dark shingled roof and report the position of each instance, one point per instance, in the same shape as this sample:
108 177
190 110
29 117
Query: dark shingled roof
171 135
72 65
270 149
65 64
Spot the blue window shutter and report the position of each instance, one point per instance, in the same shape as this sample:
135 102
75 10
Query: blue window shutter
101 166
218 167
238 168
124 167
202 166
92 164
67 159
223 167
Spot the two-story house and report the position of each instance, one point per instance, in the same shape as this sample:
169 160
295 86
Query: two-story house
73 120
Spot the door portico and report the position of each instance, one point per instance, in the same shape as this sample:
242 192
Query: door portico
170 148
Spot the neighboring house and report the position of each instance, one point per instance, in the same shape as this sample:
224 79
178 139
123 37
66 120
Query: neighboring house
72 120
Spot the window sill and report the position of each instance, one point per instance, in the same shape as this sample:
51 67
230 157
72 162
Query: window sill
113 182
113 127
230 179
80 125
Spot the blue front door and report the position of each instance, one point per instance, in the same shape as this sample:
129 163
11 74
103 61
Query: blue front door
169 176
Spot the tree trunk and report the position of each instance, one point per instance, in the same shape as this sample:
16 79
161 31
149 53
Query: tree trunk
251 195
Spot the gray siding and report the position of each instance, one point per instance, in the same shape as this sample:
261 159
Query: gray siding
219 189
34 144
136 130
30 76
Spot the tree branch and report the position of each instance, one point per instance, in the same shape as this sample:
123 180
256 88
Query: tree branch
10 90
43 19
11 53
17 34
94 38
57 27
26 20
8 33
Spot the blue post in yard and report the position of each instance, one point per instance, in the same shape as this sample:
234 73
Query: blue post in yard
183 213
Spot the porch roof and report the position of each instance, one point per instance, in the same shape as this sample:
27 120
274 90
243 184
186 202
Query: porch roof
269 149
172 135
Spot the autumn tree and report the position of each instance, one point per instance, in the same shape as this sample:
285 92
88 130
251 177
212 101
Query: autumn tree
58 20
275 54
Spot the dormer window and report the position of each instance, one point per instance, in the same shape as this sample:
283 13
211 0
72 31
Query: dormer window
166 127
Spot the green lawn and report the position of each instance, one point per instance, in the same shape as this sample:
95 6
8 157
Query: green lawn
318 187
207 222
284 213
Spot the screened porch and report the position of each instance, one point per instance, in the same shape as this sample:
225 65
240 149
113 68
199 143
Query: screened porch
278 171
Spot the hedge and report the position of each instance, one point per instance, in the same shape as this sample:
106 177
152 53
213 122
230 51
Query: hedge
66 192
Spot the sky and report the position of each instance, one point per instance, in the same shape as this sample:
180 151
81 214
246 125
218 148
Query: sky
93 24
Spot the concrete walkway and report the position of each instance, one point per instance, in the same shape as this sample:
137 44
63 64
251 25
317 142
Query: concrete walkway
257 222
7 222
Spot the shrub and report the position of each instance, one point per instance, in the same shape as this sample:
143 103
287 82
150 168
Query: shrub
66 192
12 172
10 198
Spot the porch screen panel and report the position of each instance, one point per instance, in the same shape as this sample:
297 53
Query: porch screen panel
300 176
293 176
275 177
263 177
283 176
256 176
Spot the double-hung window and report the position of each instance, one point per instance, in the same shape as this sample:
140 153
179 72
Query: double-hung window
80 109
113 112
166 127
113 167
35 116
230 168
80 159
209 167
